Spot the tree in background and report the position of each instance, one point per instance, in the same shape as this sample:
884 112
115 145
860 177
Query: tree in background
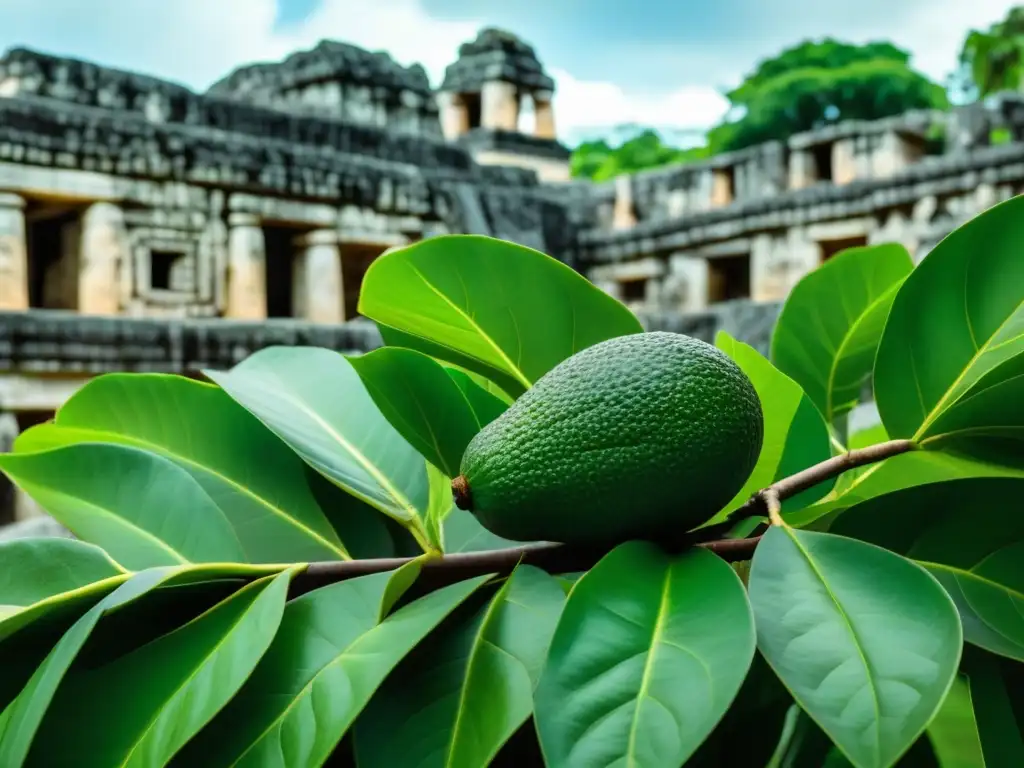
599 161
995 57
818 83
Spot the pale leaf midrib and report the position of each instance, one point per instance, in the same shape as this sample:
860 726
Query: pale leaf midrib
645 679
853 634
273 508
940 406
512 367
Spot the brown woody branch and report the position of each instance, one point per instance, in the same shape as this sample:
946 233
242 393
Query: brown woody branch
561 558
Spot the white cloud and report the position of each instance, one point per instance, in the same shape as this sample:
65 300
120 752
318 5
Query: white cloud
199 41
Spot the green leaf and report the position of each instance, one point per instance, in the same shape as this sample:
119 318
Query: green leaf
464 533
648 655
950 368
461 695
314 400
995 687
304 695
201 666
487 400
870 436
491 306
25 714
829 328
155 514
895 473
795 436
978 563
273 511
426 404
33 569
954 732
866 641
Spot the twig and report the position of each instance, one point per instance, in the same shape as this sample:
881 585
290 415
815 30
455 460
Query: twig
819 473
561 558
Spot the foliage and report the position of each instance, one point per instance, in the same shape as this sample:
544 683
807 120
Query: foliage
817 83
221 604
598 161
995 56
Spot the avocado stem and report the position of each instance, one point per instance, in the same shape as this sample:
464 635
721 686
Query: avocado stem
461 493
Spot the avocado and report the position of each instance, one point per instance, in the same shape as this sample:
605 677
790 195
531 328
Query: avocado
639 436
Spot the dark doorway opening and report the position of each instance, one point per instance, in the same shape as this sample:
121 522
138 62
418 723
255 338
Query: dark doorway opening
830 248
728 278
474 110
633 291
823 161
52 264
279 243
356 258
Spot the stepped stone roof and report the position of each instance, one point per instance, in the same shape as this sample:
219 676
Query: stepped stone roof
496 55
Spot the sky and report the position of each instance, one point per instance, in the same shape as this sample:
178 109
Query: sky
660 63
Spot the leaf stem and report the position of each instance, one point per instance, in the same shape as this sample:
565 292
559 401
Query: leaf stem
561 558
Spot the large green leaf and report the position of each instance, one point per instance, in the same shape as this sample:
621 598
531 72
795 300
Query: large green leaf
648 655
436 413
795 436
898 472
330 655
998 698
464 533
867 642
461 695
154 514
829 328
314 400
949 367
978 563
25 714
33 569
174 684
490 305
272 509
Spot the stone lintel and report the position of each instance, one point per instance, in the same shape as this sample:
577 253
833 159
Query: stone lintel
243 219
11 200
318 237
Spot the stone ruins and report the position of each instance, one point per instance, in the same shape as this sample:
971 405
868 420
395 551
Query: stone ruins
146 227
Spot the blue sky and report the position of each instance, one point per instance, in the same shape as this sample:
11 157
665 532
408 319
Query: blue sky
661 62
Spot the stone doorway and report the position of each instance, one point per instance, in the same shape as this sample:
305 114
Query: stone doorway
52 237
728 278
356 258
279 261
830 248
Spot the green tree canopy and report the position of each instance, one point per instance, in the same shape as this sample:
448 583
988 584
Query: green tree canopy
817 83
995 57
599 161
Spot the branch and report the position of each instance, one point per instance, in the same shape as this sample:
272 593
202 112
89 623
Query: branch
759 503
561 558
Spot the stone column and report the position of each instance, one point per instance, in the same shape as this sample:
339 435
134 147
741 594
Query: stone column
687 284
104 261
319 295
623 215
544 115
13 253
721 187
844 162
247 274
499 106
803 170
454 114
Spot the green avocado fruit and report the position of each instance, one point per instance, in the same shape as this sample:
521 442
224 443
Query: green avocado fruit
640 436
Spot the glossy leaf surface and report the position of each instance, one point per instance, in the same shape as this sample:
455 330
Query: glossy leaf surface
491 305
155 514
258 483
437 414
174 684
795 435
978 564
647 657
949 367
866 641
830 325
32 570
998 699
464 533
330 655
314 400
461 695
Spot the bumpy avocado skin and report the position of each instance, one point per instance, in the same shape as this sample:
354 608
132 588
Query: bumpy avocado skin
635 437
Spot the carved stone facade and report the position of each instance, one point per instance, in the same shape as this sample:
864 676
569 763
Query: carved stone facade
147 227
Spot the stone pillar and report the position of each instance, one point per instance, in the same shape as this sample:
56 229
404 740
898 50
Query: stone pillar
803 170
13 253
844 163
103 263
247 274
722 192
544 115
319 295
454 114
687 284
623 216
499 106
